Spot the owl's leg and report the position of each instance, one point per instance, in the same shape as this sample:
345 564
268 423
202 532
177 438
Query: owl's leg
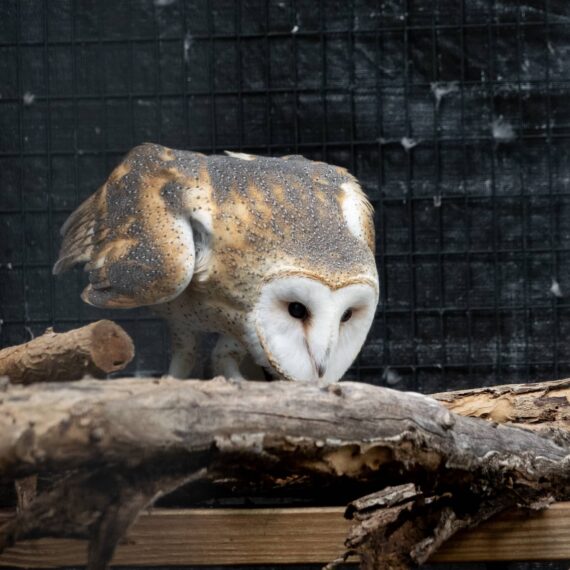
227 356
184 349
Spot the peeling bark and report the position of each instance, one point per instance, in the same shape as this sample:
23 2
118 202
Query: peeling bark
404 527
537 406
96 349
126 439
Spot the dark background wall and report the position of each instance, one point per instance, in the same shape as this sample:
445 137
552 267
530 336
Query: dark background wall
453 114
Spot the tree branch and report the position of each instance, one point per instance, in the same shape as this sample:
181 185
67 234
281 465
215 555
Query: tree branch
96 349
136 435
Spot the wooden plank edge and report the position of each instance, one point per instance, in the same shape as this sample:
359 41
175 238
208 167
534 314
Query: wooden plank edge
170 537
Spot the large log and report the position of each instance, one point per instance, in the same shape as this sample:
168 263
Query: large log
130 440
96 349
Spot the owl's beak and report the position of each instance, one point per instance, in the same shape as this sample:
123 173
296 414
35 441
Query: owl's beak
321 364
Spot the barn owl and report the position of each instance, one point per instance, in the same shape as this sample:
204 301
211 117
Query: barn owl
276 255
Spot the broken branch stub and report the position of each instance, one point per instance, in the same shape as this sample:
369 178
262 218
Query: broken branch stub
95 350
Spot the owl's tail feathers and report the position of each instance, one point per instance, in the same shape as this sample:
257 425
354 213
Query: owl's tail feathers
78 237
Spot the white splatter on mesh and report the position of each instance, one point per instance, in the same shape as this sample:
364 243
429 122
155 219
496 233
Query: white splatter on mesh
502 130
408 143
29 98
555 289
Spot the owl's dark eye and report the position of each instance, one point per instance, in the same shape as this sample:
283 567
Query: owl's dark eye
346 316
298 310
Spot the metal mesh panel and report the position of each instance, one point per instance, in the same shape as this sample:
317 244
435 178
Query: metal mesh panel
453 114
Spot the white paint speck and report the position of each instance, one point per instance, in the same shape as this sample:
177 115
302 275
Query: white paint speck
408 143
503 130
437 201
391 377
188 40
442 89
555 289
525 65
294 29
97 130
161 3
29 98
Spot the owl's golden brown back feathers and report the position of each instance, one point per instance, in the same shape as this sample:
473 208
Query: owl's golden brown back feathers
165 216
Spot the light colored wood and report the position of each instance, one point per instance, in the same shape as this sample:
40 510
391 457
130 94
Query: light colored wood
538 406
168 537
514 536
96 350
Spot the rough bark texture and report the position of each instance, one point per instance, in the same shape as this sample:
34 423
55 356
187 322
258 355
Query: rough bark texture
125 441
96 349
538 406
26 491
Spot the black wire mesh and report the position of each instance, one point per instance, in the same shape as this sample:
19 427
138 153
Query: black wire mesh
453 114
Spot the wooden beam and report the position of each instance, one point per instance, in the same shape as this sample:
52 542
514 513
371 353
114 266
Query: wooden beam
169 537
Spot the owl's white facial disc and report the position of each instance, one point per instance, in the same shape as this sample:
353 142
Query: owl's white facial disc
307 332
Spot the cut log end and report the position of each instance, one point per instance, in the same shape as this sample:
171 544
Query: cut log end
111 347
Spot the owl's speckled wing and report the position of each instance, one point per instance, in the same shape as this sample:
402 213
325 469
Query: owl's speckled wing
134 234
166 219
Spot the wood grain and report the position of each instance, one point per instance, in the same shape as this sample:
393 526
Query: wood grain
96 350
168 537
538 406
129 440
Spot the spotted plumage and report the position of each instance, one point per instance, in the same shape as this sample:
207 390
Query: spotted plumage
206 241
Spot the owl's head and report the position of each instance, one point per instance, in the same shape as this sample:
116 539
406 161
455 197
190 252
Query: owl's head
309 331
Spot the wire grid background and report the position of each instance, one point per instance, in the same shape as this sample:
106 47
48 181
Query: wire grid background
453 114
